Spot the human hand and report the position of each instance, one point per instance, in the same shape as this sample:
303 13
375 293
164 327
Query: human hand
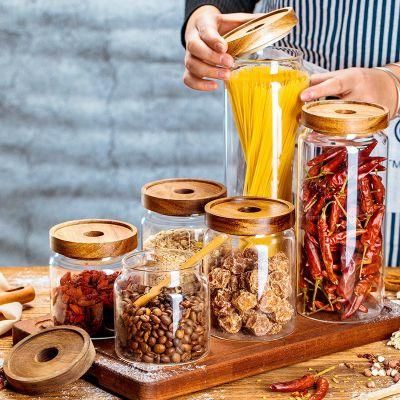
206 55
358 84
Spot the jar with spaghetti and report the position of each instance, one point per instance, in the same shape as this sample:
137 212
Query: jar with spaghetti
174 217
252 275
262 106
86 260
342 163
161 310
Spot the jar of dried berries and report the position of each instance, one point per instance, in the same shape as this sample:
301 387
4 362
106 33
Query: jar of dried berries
86 260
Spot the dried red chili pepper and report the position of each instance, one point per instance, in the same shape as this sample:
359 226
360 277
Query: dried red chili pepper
370 165
335 163
341 237
325 156
333 218
364 153
325 246
373 228
367 202
313 257
378 187
295 385
321 390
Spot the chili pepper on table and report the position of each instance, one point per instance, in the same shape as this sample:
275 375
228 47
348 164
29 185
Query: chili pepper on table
325 246
321 390
295 385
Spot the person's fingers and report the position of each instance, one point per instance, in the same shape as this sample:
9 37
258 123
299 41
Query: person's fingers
227 22
208 32
199 49
321 77
335 86
198 84
201 69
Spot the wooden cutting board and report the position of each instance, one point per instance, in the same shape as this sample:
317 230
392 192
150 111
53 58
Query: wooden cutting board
227 361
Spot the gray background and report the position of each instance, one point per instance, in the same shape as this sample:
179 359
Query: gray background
92 106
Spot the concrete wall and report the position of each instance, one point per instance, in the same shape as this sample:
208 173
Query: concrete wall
91 107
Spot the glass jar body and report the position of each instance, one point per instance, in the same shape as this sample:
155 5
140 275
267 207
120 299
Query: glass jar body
261 112
82 293
169 329
340 223
170 232
252 286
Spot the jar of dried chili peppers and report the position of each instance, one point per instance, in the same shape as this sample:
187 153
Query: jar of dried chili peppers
86 261
174 216
252 275
342 163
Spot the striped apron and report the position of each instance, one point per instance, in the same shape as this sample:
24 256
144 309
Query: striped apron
336 34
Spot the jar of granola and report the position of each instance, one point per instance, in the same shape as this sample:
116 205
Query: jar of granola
161 310
252 276
174 217
86 260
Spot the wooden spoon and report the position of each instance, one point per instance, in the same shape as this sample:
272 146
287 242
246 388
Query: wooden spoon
22 294
156 290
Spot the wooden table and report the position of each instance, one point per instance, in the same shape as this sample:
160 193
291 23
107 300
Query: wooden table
350 382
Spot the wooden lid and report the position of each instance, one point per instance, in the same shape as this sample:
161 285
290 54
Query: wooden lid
49 359
342 117
260 32
249 215
181 196
90 239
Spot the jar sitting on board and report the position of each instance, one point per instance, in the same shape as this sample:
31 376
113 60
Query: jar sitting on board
252 276
86 261
175 212
342 163
170 327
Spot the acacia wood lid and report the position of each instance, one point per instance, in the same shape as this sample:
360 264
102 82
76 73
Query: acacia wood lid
260 32
249 216
180 197
342 117
49 359
90 239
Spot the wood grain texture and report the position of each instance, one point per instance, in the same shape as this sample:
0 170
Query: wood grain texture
260 32
180 197
90 239
252 388
342 117
23 294
249 215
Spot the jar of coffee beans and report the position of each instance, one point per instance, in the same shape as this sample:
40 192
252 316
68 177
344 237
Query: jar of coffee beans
161 311
86 260
252 276
174 217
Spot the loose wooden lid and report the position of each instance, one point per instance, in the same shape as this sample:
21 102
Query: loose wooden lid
342 117
260 32
249 216
90 239
49 359
181 196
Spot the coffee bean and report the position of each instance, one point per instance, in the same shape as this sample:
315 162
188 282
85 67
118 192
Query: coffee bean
165 320
162 339
144 318
161 332
157 312
186 339
180 334
152 341
169 351
188 330
177 342
186 357
197 349
159 348
169 334
168 344
175 358
147 359
165 359
186 347
144 347
155 319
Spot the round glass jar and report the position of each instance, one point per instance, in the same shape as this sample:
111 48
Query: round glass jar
262 105
252 276
86 260
342 163
174 217
170 327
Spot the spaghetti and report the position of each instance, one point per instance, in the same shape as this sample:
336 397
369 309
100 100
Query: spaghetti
265 104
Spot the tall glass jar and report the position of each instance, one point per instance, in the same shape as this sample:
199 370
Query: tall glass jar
252 276
174 217
342 163
262 106
161 311
86 260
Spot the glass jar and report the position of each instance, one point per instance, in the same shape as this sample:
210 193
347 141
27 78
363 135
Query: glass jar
172 326
342 163
86 260
262 105
252 276
175 212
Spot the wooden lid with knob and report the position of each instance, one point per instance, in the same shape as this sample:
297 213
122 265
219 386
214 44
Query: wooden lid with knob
247 216
260 32
342 117
180 197
49 359
91 239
